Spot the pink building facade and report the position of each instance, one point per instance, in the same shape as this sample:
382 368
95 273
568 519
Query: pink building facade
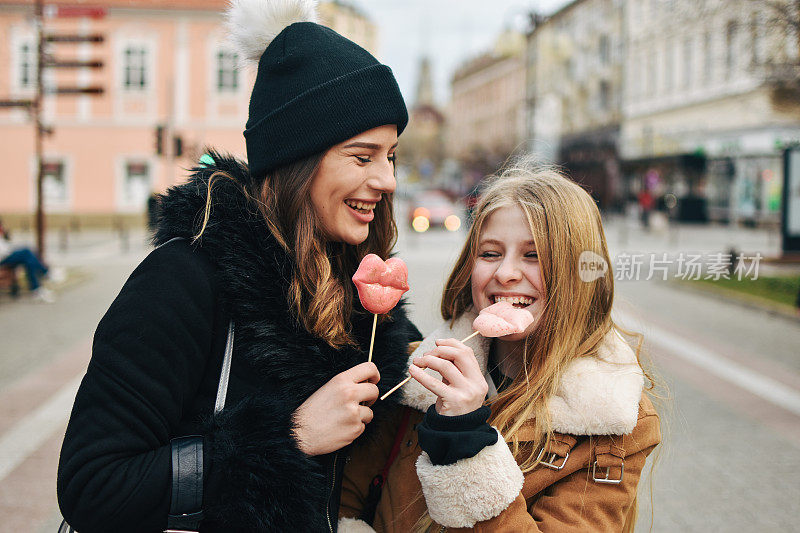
162 67
167 67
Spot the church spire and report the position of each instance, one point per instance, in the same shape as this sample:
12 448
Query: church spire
424 95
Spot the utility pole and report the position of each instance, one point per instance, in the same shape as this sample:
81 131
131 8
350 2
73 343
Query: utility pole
38 128
35 105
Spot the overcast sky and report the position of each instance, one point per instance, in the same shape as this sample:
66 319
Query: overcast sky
448 31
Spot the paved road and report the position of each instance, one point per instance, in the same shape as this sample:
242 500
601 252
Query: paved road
731 458
729 378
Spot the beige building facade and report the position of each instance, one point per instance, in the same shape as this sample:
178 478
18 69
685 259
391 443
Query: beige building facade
574 88
167 68
350 22
704 116
486 114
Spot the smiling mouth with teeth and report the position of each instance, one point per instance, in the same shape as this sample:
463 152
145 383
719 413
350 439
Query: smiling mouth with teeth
516 301
361 207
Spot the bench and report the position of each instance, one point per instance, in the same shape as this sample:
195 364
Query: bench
9 281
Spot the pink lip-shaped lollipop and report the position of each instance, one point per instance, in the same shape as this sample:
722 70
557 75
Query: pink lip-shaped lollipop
380 285
502 319
497 320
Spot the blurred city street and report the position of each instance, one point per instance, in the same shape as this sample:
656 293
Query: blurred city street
731 416
681 118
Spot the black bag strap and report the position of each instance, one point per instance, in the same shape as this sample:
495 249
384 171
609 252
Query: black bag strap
186 507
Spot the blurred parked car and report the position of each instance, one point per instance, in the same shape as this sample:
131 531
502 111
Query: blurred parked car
434 208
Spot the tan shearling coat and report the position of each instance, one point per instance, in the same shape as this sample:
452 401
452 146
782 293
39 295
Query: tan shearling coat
605 428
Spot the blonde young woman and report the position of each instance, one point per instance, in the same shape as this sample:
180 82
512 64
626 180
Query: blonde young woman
547 430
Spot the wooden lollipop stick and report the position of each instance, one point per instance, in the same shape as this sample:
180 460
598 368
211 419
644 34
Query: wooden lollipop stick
409 377
468 338
372 340
396 387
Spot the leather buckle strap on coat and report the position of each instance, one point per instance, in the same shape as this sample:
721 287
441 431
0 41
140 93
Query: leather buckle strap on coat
186 506
608 455
187 485
556 453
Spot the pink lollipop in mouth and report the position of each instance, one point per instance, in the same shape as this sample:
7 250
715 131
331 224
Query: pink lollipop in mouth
497 320
501 319
380 286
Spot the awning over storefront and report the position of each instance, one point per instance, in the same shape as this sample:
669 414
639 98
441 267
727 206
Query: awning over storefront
695 163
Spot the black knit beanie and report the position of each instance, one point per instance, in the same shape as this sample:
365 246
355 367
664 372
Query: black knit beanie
314 88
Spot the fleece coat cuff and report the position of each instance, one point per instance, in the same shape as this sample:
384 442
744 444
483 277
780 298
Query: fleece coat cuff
470 490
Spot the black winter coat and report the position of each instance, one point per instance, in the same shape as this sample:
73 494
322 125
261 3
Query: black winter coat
155 367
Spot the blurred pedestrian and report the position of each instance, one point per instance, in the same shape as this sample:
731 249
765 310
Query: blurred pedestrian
797 301
646 202
15 256
256 256
571 425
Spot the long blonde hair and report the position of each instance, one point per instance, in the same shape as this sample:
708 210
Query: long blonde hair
321 295
564 222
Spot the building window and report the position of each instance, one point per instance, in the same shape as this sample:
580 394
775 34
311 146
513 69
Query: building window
669 66
634 82
27 65
227 74
757 28
708 58
134 66
136 184
605 50
605 95
791 30
54 183
730 49
641 77
651 74
687 63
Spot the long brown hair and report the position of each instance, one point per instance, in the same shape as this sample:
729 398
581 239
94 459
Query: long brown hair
321 293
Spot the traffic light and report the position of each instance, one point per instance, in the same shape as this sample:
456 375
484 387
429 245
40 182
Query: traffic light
160 131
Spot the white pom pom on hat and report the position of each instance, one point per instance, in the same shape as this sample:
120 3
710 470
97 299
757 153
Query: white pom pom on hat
253 24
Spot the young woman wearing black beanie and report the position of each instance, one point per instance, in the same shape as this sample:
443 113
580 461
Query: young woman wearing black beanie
260 255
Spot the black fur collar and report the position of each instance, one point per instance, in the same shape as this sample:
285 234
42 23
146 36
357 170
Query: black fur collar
254 272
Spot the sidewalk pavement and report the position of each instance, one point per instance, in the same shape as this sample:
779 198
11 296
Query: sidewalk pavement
44 352
667 254
730 456
625 234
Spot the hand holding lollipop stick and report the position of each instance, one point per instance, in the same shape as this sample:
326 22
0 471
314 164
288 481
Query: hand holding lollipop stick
380 286
497 320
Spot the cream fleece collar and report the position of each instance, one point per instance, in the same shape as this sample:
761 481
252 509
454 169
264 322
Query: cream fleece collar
597 395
